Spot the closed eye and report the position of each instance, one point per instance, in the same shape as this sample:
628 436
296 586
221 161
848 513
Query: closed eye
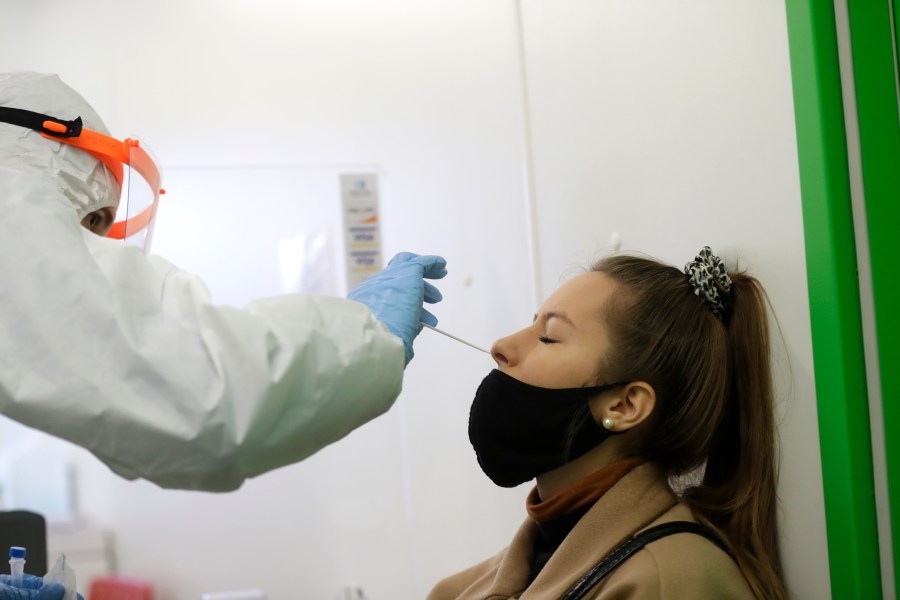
545 340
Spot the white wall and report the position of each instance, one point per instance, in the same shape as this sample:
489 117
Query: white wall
640 114
671 125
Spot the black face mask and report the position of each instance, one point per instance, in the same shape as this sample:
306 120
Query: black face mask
520 431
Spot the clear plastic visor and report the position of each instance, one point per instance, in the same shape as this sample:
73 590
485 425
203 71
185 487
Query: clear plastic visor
141 187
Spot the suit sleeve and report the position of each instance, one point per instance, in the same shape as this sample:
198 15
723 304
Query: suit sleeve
127 356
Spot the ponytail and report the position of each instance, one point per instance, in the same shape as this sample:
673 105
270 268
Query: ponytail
713 382
738 491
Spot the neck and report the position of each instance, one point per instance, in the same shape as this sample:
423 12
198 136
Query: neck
552 482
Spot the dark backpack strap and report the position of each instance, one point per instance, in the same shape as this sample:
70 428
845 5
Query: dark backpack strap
615 558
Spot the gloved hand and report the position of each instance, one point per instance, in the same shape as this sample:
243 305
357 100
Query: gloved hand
396 294
33 588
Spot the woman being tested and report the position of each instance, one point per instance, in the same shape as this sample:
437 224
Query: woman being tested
632 374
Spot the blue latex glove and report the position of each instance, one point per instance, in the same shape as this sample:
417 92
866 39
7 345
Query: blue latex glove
395 295
33 588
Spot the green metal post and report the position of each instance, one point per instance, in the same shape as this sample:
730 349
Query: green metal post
873 43
842 398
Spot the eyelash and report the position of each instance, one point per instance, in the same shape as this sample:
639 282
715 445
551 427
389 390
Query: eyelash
545 340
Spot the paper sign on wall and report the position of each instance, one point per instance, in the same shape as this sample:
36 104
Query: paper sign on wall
362 230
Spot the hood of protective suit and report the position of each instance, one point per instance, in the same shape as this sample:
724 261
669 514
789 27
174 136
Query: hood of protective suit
83 179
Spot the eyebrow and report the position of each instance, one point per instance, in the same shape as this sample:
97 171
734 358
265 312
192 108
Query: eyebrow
556 315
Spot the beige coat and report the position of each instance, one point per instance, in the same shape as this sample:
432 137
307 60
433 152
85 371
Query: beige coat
683 565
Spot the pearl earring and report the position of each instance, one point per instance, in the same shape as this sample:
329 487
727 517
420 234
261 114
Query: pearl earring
608 423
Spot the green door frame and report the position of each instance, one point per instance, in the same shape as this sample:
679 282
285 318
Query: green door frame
874 47
835 314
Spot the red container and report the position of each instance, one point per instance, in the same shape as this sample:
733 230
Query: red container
120 588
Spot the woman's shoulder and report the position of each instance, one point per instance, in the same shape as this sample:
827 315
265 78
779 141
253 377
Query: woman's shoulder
682 565
455 585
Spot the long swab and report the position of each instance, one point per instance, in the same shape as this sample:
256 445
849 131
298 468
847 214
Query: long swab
455 338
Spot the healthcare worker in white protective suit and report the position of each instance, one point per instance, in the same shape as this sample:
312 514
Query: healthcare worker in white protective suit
124 354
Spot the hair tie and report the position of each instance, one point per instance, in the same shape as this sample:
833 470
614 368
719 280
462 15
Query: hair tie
709 280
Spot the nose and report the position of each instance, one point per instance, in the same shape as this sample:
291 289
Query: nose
503 352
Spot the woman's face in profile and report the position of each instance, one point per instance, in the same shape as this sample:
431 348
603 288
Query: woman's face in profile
563 347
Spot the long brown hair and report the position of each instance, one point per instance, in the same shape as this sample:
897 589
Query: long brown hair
713 384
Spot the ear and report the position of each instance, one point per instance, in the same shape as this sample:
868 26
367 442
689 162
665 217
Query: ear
625 408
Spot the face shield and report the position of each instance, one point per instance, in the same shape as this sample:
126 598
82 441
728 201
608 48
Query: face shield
131 163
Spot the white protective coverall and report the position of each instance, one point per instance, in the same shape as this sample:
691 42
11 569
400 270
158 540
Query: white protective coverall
125 355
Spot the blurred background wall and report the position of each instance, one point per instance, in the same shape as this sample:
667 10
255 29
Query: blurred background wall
520 140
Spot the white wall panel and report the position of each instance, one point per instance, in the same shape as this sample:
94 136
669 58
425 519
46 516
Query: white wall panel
672 125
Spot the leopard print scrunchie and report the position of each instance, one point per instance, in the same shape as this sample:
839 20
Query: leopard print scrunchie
709 279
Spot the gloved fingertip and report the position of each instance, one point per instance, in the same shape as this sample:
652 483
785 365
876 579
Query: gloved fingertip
432 263
29 582
50 591
438 274
401 257
432 294
428 318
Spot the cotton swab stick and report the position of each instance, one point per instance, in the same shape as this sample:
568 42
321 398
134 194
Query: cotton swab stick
455 338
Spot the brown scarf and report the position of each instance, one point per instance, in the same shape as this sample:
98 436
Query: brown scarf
582 493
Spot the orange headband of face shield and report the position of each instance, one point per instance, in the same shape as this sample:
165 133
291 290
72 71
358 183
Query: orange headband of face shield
113 153
110 151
